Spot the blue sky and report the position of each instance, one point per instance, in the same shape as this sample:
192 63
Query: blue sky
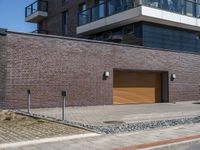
12 14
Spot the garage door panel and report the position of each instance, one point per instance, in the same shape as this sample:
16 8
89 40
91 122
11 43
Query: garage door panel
134 87
122 100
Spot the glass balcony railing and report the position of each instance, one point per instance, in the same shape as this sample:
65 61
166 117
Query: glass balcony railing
184 7
36 6
98 12
84 17
111 7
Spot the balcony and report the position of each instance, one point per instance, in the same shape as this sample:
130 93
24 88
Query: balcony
115 13
36 12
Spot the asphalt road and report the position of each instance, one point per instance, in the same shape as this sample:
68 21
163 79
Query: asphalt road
188 147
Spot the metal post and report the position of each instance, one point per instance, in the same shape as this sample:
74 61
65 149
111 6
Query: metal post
29 101
63 110
31 9
63 104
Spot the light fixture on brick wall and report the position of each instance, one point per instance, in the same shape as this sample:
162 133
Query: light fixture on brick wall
106 74
173 77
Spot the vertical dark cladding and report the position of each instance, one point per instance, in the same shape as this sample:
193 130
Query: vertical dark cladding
47 66
3 46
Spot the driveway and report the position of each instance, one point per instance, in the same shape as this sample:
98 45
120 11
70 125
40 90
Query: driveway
104 116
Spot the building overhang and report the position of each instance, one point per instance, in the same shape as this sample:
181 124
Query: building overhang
36 16
141 13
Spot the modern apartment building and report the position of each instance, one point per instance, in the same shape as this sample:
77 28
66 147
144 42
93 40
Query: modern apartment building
103 52
167 24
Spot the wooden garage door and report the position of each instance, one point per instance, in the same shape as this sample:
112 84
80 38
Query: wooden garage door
136 87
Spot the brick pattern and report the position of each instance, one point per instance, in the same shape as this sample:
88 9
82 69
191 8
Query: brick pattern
48 65
54 21
3 41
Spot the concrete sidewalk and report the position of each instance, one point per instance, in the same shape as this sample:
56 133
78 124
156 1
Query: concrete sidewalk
121 141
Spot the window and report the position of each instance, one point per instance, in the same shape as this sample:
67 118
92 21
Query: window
190 8
198 36
84 15
117 35
198 9
107 36
65 23
99 1
99 10
114 6
64 1
128 29
82 7
131 35
98 37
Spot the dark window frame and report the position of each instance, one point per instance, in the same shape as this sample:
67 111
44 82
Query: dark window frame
65 22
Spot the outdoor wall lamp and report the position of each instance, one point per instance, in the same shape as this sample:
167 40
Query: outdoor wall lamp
106 75
173 77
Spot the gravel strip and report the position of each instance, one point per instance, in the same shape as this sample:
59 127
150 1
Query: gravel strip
128 127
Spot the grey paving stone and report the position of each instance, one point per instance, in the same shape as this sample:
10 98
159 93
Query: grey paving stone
105 142
32 129
133 117
30 148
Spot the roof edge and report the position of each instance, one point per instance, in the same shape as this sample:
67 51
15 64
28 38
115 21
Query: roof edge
98 42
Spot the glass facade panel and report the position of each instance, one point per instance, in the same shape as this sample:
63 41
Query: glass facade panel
190 8
154 36
151 3
198 9
170 38
98 12
35 7
84 17
114 6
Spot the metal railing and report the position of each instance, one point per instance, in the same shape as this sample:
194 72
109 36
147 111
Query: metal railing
36 6
103 10
111 7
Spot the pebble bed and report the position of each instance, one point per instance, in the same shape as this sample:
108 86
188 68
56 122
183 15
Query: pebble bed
138 126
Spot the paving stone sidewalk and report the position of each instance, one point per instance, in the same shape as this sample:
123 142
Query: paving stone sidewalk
98 115
32 129
106 142
125 118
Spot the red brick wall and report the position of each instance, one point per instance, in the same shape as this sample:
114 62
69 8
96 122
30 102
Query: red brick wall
47 65
53 24
3 43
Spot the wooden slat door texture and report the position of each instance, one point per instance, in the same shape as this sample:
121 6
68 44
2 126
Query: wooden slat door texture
136 87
